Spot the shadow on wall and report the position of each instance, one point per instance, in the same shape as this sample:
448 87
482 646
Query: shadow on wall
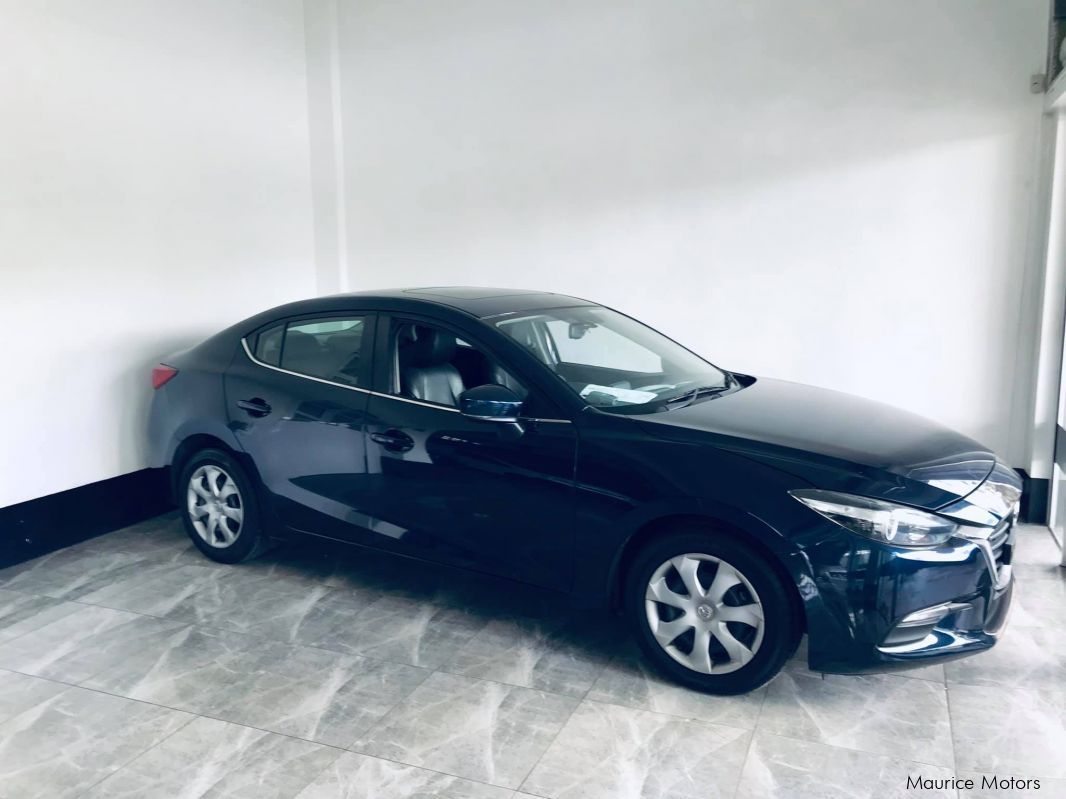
135 384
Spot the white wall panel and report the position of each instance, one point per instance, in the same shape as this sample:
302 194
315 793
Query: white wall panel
835 192
154 188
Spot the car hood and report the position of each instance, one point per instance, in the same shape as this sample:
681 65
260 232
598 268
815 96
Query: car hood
835 441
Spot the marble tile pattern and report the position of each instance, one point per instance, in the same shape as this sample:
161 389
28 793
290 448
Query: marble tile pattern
882 714
65 743
1005 730
630 682
479 729
607 751
549 653
130 666
215 758
355 776
305 692
799 769
22 613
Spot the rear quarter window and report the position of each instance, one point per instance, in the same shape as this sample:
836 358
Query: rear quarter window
330 349
268 345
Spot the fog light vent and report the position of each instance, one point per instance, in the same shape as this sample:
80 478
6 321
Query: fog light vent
925 616
914 627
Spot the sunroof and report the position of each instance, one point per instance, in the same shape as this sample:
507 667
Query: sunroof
469 292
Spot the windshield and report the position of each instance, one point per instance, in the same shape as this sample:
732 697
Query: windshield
613 362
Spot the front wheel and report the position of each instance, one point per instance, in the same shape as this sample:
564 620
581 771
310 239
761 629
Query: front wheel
710 612
219 508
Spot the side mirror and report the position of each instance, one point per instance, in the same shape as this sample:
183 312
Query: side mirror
490 403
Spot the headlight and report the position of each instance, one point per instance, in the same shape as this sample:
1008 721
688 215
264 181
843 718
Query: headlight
882 521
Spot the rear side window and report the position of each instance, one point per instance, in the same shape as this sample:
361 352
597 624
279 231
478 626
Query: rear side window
328 348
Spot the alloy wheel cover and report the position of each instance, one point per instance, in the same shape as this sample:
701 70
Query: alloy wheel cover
704 613
215 506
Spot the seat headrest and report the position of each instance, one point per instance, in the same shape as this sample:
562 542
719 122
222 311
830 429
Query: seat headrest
300 346
345 342
430 347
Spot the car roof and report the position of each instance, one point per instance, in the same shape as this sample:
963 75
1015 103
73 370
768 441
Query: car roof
477 301
480 303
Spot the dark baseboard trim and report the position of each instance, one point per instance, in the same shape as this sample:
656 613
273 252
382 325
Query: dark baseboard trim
1036 492
43 525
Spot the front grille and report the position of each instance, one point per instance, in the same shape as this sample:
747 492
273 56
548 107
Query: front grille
996 547
998 540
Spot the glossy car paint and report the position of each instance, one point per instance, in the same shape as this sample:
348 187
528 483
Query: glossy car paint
566 501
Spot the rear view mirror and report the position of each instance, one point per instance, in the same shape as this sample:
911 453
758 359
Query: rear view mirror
491 403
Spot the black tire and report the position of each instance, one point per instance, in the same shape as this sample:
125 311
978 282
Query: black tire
781 627
249 538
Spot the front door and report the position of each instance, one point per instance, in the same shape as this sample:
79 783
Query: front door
480 494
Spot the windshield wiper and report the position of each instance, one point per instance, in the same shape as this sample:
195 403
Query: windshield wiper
702 391
691 396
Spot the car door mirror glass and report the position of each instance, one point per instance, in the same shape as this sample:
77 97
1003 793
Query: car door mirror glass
490 402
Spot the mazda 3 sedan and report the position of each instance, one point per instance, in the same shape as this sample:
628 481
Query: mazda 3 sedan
557 442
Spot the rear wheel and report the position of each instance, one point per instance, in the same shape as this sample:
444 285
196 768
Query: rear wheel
219 508
710 612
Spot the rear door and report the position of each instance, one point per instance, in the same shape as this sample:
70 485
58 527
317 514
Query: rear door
297 398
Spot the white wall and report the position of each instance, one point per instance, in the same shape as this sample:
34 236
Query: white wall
837 193
834 192
154 187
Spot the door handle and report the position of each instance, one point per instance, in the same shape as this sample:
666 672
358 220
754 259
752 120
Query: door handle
393 440
254 406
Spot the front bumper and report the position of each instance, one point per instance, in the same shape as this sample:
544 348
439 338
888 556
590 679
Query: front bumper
885 608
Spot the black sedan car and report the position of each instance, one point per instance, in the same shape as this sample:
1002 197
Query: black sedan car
554 441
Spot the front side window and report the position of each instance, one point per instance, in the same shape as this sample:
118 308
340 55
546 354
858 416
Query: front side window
328 348
434 365
613 362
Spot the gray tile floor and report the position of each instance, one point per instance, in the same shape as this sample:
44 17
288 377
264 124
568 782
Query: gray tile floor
130 666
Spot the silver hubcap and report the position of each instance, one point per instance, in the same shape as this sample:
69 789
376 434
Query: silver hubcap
704 613
215 506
